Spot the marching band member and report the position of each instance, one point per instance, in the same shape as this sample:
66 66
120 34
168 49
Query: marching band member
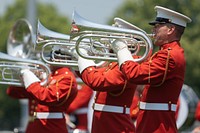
163 73
47 104
79 108
113 97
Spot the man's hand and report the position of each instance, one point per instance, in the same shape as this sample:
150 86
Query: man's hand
121 49
118 45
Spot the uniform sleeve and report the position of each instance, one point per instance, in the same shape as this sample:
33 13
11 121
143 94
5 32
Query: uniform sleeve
56 92
149 72
17 92
103 80
82 99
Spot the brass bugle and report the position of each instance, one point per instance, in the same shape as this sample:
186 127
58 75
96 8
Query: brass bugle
48 42
11 66
105 35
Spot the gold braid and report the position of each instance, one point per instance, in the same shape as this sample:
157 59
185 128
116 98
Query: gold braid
166 67
124 87
70 88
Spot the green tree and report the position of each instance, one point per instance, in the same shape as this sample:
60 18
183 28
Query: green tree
48 15
140 12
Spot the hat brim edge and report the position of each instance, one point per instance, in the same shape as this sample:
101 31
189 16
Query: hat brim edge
156 22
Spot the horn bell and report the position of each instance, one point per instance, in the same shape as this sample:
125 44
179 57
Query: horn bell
20 42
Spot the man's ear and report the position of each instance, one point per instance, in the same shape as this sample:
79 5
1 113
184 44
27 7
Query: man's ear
171 29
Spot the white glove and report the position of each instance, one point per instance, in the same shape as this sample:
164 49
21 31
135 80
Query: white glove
84 63
122 51
28 77
118 45
43 75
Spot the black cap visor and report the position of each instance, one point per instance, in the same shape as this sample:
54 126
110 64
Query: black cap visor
160 21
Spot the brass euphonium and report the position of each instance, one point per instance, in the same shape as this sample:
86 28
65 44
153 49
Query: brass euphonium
11 66
49 42
139 43
20 47
21 41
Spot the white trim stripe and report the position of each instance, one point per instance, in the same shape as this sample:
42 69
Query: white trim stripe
49 115
157 106
110 108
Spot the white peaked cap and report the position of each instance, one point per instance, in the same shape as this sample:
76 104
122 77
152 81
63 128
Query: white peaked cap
165 15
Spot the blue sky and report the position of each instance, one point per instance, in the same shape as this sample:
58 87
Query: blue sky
94 10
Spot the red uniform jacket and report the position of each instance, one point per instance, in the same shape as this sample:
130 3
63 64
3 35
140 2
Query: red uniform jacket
197 112
56 97
111 89
79 106
161 87
134 110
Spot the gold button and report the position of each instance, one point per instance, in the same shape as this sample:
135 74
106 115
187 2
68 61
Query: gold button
31 112
90 69
135 111
33 101
66 72
32 107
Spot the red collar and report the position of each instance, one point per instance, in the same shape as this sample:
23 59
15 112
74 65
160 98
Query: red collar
172 44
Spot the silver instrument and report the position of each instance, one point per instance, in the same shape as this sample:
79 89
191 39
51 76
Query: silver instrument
49 42
119 22
20 42
19 48
139 43
11 66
